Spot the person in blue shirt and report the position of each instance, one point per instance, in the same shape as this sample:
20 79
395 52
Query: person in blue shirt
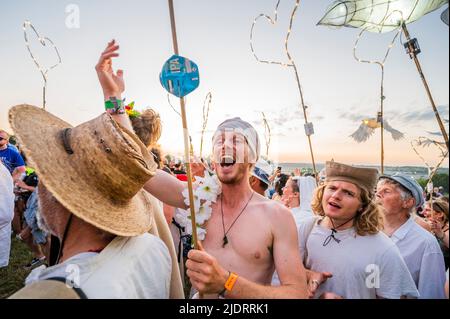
11 157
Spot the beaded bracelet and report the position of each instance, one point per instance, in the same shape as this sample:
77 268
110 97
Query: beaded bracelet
114 106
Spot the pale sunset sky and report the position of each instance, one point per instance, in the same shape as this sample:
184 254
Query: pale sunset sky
339 91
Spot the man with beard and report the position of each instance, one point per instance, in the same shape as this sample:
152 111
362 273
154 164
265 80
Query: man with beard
243 245
99 219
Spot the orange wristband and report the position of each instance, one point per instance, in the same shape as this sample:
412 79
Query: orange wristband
231 281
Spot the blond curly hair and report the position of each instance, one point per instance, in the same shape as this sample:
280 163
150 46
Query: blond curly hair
148 127
369 221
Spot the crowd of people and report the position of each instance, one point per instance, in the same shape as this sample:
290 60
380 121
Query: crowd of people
100 221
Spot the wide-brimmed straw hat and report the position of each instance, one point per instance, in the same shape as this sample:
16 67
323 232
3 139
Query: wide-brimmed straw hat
96 170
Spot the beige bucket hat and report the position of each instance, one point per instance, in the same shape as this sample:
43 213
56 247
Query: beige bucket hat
96 170
365 178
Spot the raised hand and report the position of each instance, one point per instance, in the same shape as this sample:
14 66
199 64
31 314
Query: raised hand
112 83
436 228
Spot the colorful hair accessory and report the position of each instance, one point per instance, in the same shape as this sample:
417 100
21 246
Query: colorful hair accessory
131 112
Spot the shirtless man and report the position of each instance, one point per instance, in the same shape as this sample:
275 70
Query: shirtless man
242 238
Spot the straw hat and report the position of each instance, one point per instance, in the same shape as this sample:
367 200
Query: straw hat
96 170
48 289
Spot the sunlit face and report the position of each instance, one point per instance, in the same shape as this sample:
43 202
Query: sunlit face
431 214
288 191
390 197
341 200
230 154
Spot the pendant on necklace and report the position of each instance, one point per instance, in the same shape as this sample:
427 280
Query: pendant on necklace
225 241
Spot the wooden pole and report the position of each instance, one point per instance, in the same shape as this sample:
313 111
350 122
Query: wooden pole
185 134
382 121
413 55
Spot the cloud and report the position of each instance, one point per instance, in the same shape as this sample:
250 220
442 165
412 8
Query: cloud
353 117
410 117
435 133
424 114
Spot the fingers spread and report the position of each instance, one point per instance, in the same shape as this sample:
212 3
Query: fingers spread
110 43
111 48
109 55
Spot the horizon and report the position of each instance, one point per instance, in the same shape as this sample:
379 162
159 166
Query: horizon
338 90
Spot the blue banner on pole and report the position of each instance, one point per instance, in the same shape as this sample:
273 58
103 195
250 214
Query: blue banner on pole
179 76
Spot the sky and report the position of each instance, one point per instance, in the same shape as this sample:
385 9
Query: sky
338 90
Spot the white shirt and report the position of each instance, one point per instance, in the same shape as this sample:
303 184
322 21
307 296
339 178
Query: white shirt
300 214
6 213
423 256
307 186
363 267
128 268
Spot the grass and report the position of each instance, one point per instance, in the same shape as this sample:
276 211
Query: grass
12 277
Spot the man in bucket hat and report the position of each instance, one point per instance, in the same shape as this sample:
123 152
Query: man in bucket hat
347 240
400 195
92 202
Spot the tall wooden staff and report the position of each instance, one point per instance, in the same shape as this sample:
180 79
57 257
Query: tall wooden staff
413 49
185 133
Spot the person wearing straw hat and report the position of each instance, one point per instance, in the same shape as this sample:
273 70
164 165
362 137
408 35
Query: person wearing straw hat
346 240
92 202
241 221
400 195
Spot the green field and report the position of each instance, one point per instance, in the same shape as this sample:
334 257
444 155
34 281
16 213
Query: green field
12 277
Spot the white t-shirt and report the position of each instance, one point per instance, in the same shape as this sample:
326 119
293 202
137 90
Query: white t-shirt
423 256
363 267
301 214
6 213
128 268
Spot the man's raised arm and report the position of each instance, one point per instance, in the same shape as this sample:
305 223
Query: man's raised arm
163 186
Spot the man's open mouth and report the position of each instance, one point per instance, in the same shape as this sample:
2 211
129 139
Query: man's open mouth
227 161
334 205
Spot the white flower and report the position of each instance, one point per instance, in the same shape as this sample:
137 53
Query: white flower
206 190
186 198
181 217
184 220
209 188
203 213
201 233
